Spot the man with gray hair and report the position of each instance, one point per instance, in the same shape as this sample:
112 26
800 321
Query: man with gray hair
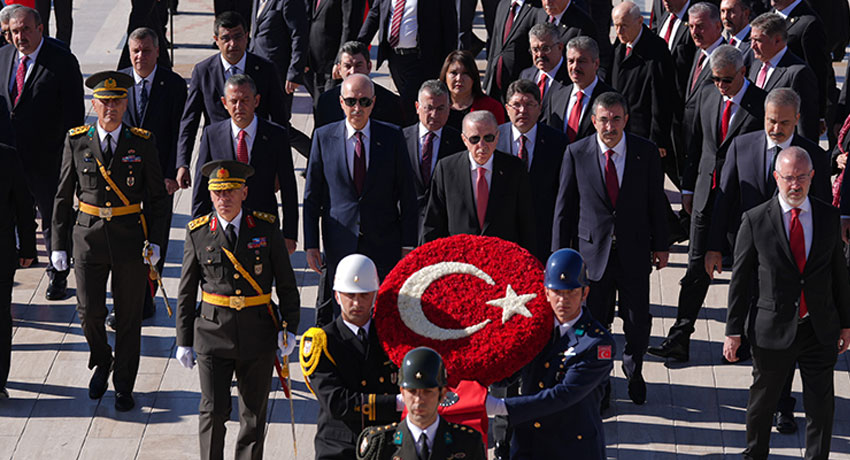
430 140
547 53
790 296
572 21
500 203
733 106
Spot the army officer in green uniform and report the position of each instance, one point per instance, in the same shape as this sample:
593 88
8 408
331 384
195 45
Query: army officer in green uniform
423 434
235 255
113 169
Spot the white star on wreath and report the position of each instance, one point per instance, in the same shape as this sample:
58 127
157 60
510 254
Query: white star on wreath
512 304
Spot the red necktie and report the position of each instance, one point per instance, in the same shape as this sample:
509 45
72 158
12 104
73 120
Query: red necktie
611 182
427 158
483 195
523 151
395 26
508 24
733 41
575 116
724 123
359 162
762 76
698 70
670 25
551 19
628 50
19 77
242 148
542 84
798 248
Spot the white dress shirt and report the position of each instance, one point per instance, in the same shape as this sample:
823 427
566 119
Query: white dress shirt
805 220
239 65
585 101
619 157
435 144
32 57
566 328
416 432
740 36
101 134
682 16
473 172
235 222
408 29
768 161
353 327
530 140
637 39
148 83
350 141
559 16
250 135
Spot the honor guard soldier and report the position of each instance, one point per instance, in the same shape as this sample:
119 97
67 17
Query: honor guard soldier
113 170
346 367
234 254
423 434
562 387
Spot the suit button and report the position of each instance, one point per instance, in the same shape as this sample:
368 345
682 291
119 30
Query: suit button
536 424
578 437
108 188
238 292
209 261
363 383
802 281
108 204
236 276
546 365
381 379
541 385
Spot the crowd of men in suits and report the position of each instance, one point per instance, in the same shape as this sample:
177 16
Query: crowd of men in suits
710 94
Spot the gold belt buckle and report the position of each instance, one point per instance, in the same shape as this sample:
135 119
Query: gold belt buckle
105 213
237 302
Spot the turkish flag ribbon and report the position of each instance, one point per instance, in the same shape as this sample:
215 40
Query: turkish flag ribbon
469 409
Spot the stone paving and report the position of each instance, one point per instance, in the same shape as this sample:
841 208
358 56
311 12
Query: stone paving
694 410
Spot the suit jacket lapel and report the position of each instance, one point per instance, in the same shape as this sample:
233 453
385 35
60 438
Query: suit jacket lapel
413 153
342 157
441 449
259 142
774 77
94 146
758 160
778 224
376 154
496 179
524 10
591 163
740 115
631 160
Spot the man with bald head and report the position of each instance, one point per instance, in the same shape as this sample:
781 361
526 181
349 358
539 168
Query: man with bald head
790 249
500 203
359 189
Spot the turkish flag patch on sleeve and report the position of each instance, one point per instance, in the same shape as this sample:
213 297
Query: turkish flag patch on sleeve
603 352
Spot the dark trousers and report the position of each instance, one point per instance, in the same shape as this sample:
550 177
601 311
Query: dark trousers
253 380
298 140
408 72
42 186
64 20
695 283
632 284
770 371
7 279
128 296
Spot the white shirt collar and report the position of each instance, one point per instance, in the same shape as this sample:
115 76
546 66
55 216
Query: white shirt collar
788 9
564 327
101 134
138 78
559 16
34 55
240 64
349 130
235 223
473 165
430 431
353 327
423 131
250 130
806 206
771 144
619 149
736 99
531 135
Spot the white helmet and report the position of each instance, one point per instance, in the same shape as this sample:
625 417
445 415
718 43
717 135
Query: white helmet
356 273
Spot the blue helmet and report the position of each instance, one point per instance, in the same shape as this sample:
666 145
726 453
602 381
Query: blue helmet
565 269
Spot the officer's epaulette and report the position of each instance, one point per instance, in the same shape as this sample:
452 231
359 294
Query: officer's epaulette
270 218
78 130
314 343
372 440
197 223
143 133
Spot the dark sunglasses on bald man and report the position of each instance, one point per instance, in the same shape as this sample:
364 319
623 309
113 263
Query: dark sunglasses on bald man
364 101
476 139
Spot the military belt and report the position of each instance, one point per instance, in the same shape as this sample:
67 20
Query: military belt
236 302
110 212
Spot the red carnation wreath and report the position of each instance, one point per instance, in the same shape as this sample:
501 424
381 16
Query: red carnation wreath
477 300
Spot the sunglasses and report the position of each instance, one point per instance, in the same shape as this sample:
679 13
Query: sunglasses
351 101
476 139
726 80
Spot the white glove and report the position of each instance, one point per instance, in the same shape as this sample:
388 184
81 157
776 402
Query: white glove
186 357
290 343
153 252
495 406
59 260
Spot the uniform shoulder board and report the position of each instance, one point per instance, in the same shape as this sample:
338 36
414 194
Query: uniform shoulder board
78 130
270 218
200 221
143 133
314 344
370 443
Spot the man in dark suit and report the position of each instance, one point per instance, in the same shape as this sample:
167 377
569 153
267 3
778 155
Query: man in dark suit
430 140
790 249
569 110
279 30
643 72
775 66
234 329
207 87
353 57
733 106
672 26
736 26
155 103
414 41
332 23
481 191
549 70
541 150
611 207
359 188
252 140
573 21
507 53
44 93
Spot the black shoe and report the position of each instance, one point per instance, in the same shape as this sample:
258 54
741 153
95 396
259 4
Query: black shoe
670 349
4 394
124 402
637 387
785 423
99 381
110 320
57 289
